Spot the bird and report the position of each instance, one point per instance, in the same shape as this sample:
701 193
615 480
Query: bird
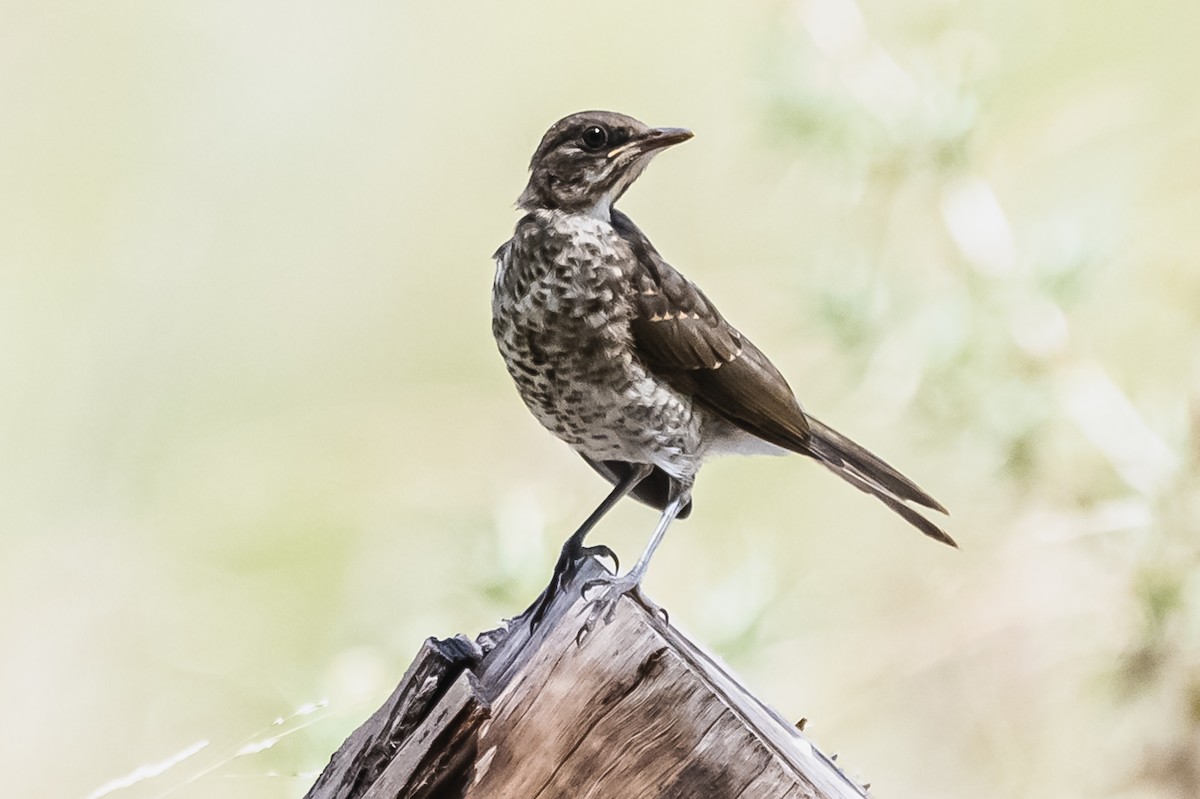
618 354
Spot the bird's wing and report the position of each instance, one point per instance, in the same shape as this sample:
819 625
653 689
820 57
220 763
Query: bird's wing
682 337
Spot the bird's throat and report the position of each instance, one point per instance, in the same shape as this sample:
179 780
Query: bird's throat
602 208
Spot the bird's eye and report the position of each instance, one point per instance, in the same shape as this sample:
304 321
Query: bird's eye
594 137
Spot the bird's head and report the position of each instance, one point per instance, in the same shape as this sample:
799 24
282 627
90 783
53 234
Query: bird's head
586 161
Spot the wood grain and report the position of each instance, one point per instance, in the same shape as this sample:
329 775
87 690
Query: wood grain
637 710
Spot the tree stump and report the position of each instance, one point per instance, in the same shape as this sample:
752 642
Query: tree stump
635 711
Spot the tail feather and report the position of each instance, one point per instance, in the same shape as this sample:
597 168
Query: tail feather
867 472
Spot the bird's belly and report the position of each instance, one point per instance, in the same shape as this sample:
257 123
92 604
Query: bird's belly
604 404
725 438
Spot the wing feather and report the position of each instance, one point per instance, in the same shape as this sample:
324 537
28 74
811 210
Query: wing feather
683 338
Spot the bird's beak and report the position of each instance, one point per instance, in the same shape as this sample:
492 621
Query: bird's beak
653 139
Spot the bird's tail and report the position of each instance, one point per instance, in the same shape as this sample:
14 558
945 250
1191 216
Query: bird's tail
867 472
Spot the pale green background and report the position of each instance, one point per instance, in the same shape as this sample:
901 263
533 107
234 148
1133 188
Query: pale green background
256 443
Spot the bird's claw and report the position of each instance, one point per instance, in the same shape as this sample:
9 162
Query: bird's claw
599 551
655 610
604 607
564 572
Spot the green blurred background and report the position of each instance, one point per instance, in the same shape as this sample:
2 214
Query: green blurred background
256 443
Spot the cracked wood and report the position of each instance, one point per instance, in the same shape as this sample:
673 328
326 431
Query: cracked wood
637 711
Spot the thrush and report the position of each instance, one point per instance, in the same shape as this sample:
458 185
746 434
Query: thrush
627 361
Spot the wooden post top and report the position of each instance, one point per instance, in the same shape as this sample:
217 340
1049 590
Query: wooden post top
635 711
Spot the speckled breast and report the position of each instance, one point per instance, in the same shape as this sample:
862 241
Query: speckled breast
561 319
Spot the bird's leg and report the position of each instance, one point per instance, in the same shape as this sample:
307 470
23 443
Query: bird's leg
604 606
573 550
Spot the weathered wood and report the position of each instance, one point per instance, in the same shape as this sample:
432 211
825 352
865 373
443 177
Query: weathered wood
636 711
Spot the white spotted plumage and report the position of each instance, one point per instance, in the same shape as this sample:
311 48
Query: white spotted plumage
560 299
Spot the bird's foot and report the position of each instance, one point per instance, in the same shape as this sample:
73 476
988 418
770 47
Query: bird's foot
604 607
564 572
596 551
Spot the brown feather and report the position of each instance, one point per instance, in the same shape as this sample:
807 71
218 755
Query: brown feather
683 339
